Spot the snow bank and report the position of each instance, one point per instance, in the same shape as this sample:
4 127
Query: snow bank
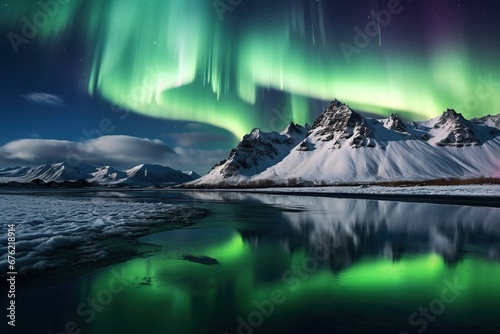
46 228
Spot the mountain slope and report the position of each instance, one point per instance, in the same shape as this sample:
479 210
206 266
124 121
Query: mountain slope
259 151
344 147
141 175
154 175
106 175
49 172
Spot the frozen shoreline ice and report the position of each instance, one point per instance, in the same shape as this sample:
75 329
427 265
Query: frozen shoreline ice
468 190
54 232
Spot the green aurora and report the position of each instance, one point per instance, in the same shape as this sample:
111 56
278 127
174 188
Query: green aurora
209 61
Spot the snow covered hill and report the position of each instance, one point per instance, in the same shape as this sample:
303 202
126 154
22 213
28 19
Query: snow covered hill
49 172
344 147
155 175
141 175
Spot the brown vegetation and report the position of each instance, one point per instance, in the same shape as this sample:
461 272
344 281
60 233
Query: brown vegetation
297 182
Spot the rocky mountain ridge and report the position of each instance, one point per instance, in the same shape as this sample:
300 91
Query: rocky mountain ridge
342 146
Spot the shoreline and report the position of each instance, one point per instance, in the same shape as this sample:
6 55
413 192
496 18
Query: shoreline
474 194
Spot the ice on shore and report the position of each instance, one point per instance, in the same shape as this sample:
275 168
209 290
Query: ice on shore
52 232
458 190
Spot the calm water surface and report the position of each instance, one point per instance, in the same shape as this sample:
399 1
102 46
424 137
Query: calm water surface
290 264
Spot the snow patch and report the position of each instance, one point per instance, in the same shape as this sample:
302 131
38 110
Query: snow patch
45 227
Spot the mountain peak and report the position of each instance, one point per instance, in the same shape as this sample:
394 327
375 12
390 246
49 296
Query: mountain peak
255 133
395 123
293 128
336 103
449 115
460 131
339 123
336 117
259 150
492 121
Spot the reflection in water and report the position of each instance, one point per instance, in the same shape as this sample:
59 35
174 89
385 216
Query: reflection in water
294 264
372 228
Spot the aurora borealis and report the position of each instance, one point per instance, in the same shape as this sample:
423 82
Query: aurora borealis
238 64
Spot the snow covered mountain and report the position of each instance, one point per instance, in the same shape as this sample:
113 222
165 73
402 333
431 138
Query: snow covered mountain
141 175
156 175
260 150
49 172
344 147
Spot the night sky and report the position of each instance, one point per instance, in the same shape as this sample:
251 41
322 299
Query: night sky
186 79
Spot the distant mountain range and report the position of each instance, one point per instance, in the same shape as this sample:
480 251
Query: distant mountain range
83 174
343 147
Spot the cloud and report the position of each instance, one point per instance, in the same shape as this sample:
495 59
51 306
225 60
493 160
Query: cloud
118 151
44 98
30 151
194 126
190 139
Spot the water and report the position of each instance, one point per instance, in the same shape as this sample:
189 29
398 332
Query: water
289 264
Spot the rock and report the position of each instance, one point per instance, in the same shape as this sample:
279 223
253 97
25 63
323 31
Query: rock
339 122
202 259
460 130
395 123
